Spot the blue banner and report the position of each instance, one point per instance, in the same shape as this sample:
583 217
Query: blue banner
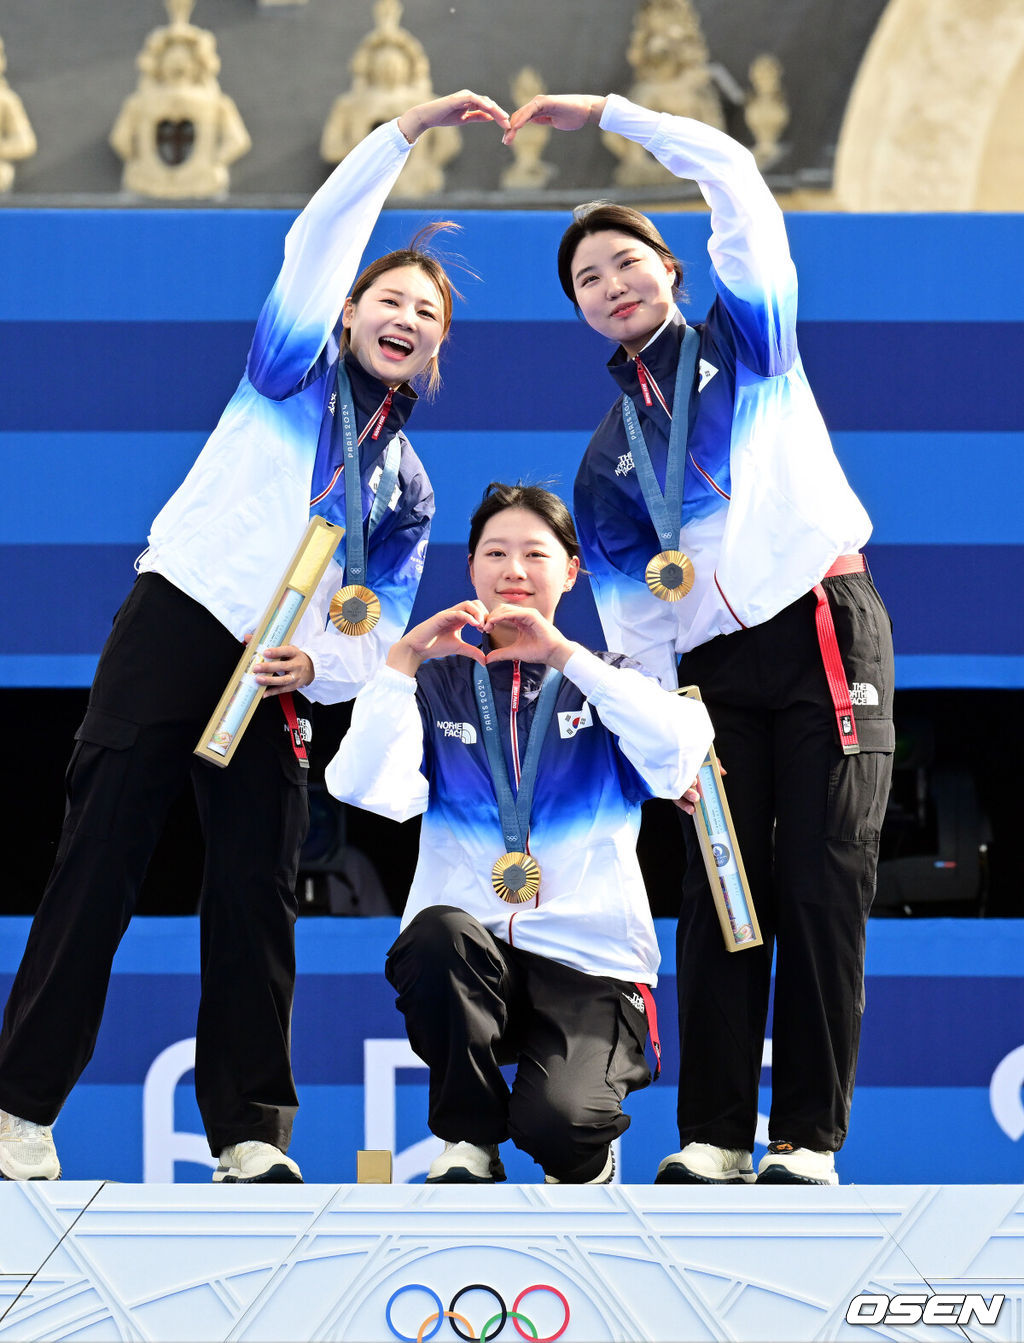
111 375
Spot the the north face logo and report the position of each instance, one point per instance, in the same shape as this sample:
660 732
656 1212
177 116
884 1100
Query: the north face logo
863 692
464 732
636 1000
625 464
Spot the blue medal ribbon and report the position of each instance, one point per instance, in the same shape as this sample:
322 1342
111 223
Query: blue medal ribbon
355 545
666 510
514 811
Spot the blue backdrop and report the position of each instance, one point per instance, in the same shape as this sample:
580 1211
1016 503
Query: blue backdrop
123 334
938 1097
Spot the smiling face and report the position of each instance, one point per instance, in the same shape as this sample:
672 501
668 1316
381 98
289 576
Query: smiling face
623 287
519 559
396 325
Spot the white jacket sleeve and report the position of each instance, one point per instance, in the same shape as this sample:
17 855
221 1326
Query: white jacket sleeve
321 259
664 736
377 766
748 246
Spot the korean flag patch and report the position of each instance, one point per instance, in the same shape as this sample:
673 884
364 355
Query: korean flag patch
574 720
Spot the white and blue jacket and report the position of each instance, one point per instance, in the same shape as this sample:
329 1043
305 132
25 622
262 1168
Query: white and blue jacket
616 739
226 536
766 507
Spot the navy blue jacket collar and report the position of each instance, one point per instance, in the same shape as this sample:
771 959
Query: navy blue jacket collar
659 358
369 392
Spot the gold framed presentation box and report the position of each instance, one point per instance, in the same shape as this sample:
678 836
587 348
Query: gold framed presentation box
721 852
238 703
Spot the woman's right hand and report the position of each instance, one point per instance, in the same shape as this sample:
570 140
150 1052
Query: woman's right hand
564 111
439 637
452 110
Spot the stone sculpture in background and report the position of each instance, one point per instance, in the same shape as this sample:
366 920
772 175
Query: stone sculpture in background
17 139
766 111
528 171
390 74
178 131
668 52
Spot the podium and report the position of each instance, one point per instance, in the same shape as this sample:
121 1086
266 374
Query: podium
192 1264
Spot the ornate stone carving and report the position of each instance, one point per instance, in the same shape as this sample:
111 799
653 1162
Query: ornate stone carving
528 171
390 74
668 52
766 111
17 139
935 91
178 131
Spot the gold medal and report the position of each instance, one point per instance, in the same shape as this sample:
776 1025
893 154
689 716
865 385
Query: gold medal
355 609
670 575
516 878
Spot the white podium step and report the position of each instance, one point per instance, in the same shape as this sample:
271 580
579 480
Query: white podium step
194 1264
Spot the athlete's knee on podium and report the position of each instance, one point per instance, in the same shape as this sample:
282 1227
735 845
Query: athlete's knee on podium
438 938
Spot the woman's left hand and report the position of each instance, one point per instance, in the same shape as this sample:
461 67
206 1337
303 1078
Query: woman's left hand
690 798
455 109
563 111
282 669
537 640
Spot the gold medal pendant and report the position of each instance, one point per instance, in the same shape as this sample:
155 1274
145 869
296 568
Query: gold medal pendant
355 609
670 575
516 878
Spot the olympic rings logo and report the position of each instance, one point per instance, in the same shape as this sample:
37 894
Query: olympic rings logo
432 1323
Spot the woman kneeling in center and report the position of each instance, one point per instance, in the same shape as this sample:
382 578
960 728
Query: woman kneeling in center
527 937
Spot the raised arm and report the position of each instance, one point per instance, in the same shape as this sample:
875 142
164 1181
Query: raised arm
752 266
324 246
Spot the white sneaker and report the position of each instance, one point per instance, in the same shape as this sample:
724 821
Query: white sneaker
255 1162
605 1176
465 1163
26 1150
701 1163
785 1164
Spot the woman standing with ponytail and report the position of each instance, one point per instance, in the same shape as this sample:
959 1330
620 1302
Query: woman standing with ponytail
724 546
328 380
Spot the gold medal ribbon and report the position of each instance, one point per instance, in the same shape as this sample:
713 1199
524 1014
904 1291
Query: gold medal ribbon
355 608
516 875
670 574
